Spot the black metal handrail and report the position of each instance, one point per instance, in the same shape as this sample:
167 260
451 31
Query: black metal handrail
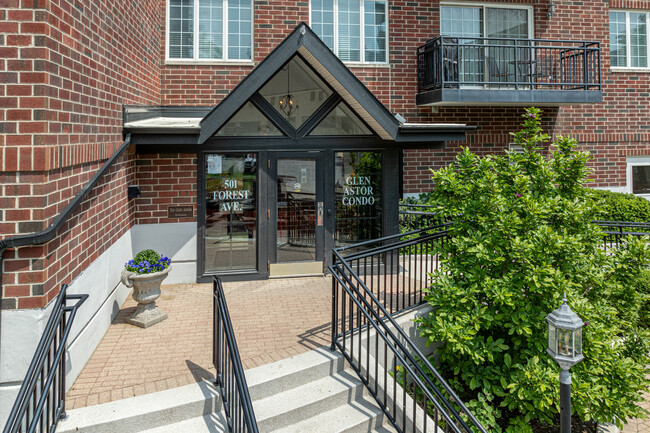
417 217
40 403
368 288
230 372
508 63
40 238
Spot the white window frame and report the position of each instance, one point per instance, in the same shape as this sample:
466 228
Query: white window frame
635 161
362 32
195 39
628 36
529 9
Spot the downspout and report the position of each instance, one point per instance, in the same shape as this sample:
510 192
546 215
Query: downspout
49 233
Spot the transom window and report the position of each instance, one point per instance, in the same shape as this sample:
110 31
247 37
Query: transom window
208 30
355 30
628 39
298 101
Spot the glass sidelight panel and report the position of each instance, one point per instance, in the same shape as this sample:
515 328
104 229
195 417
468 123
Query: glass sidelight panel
296 210
231 213
358 197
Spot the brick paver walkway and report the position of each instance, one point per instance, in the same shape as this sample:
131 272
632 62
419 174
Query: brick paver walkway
273 320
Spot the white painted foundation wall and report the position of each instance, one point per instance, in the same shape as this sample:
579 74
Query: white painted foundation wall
22 329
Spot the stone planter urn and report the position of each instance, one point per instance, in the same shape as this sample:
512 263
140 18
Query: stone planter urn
146 289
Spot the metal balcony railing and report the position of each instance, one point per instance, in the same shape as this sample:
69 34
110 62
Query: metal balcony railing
516 64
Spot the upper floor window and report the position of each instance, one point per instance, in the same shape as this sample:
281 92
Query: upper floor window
203 30
355 30
486 21
628 39
638 174
500 28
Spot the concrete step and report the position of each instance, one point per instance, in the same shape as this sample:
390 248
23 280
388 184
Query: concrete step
294 405
280 376
309 392
357 416
211 423
137 414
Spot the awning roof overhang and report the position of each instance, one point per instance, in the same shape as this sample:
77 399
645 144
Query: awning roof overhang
205 122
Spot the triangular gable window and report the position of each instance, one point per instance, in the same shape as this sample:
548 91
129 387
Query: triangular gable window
296 92
248 122
341 121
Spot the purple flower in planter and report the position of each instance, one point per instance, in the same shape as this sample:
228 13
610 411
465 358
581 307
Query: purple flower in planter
518 195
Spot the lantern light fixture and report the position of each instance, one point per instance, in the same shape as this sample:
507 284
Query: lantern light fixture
565 336
565 347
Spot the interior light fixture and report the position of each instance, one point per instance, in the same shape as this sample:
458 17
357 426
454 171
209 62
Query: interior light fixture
288 105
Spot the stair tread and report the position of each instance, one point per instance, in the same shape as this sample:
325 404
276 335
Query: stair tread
269 379
341 419
304 395
211 423
145 411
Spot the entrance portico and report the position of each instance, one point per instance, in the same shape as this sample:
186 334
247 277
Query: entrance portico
298 159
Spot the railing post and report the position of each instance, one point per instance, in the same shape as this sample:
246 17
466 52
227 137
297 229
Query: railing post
63 357
334 305
516 66
419 72
441 69
585 72
600 84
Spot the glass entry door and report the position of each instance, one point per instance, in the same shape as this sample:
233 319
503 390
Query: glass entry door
296 214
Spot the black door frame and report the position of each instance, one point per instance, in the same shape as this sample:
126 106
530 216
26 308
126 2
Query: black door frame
272 168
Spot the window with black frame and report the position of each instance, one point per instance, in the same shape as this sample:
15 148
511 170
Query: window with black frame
358 197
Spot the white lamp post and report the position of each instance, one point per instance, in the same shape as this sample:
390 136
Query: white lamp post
565 347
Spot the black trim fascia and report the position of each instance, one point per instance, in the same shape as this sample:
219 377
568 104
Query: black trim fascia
165 140
183 144
512 97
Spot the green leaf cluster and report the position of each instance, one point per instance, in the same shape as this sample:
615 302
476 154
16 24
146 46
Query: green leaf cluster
617 206
522 238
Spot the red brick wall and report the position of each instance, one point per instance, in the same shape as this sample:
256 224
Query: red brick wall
66 68
625 107
165 180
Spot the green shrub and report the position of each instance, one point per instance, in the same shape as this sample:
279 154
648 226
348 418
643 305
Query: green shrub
527 239
642 287
617 206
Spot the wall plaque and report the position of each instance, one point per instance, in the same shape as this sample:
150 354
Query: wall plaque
180 211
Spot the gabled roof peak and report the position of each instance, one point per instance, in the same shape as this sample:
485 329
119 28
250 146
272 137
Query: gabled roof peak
303 41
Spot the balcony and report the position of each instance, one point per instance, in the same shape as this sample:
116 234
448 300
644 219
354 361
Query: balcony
501 71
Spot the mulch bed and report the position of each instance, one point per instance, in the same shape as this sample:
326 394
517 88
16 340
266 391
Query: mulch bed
577 426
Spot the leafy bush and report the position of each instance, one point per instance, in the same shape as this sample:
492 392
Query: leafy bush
529 240
616 206
147 262
642 286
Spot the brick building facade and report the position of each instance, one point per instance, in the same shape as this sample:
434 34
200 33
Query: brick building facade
69 67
